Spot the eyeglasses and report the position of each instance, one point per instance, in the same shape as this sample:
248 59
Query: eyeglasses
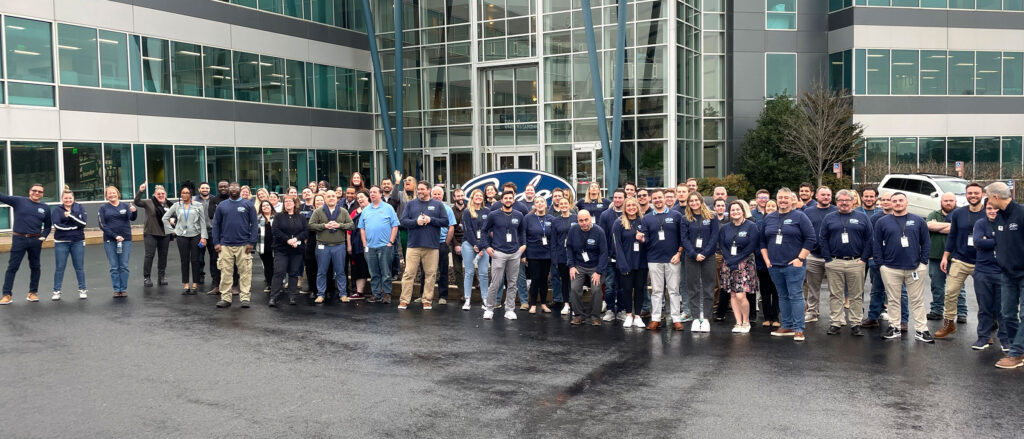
762 197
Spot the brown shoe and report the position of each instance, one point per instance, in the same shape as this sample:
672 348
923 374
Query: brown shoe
595 322
214 292
576 321
782 332
32 297
1010 362
948 328
654 326
903 327
798 336
869 323
678 326
345 299
6 300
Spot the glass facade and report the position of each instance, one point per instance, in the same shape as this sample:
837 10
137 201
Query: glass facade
346 14
779 74
28 58
780 14
929 72
980 5
985 158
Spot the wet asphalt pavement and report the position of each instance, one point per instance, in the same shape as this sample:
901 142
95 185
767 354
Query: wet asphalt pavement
160 364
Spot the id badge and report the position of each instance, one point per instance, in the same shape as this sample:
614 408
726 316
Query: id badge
586 257
970 241
320 247
700 242
845 237
636 246
914 275
905 243
508 237
478 235
732 251
778 239
661 235
543 240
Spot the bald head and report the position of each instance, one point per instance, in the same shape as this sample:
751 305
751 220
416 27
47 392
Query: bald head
584 219
948 202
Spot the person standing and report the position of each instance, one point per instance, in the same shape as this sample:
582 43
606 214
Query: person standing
115 220
458 230
69 220
564 221
329 223
423 218
938 226
504 237
204 198
1010 255
959 246
186 219
309 254
769 295
613 309
474 257
32 223
699 236
359 271
845 243
815 265
265 244
379 224
787 237
901 244
397 204
290 228
443 248
540 244
664 252
738 239
222 194
587 256
760 201
868 201
630 263
154 236
987 284
593 202
234 238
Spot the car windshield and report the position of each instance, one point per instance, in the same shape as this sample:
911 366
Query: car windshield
955 186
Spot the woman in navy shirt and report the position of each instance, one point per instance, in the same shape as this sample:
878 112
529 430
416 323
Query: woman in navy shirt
630 262
474 259
115 219
562 223
540 244
593 202
699 236
68 239
738 239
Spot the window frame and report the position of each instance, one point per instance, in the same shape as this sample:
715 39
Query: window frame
795 13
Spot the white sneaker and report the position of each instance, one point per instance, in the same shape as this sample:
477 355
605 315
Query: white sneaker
608 316
738 329
82 294
56 295
566 309
627 322
746 328
465 306
510 315
638 322
809 318
604 306
488 314
442 301
621 315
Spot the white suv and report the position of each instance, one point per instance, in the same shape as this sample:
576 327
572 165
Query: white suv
924 191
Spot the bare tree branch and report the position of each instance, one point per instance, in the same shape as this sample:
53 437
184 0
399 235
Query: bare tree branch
823 132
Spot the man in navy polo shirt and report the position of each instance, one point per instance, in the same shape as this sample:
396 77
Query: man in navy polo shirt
815 263
787 237
587 257
901 245
959 255
845 242
423 218
31 227
1008 228
504 236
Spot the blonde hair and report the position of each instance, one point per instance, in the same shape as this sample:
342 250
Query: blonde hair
704 211
115 190
67 190
469 206
625 218
586 196
567 194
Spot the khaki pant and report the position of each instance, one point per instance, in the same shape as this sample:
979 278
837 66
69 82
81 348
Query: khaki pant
812 284
845 276
414 256
227 259
894 279
958 272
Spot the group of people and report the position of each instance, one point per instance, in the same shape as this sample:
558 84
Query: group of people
638 255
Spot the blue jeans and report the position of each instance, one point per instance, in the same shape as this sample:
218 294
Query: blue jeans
684 305
988 292
329 254
878 297
1013 313
468 270
379 261
524 296
611 290
789 281
61 250
939 290
118 263
556 284
19 246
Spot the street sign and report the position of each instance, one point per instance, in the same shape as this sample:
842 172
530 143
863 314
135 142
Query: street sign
960 168
1010 184
837 168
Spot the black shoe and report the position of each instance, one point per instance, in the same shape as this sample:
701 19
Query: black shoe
925 336
291 301
719 319
372 299
961 319
891 333
202 279
934 316
147 282
161 281
833 330
223 304
245 304
272 303
856 331
186 292
266 290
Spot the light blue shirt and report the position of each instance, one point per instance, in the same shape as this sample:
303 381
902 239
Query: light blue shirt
451 222
377 222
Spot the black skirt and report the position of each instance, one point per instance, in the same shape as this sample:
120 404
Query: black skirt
357 266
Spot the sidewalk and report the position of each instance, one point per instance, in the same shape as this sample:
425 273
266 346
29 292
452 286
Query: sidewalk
92 236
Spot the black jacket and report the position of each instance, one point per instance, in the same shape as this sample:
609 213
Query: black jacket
287 227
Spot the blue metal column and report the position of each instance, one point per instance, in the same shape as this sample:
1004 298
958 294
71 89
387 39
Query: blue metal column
399 89
620 60
611 174
378 82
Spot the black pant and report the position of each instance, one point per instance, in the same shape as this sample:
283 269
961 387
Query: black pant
214 271
309 260
286 265
538 271
19 246
769 297
563 275
155 245
633 286
268 266
189 251
442 271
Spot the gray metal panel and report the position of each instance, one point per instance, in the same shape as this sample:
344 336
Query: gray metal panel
775 41
911 17
252 18
748 21
147 104
937 105
747 40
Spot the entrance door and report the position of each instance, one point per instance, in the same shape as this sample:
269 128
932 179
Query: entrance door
516 161
438 172
587 166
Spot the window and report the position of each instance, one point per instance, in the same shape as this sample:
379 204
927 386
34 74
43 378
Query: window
217 72
990 5
160 168
113 60
989 73
961 4
79 58
272 79
933 72
135 62
933 153
903 150
961 73
247 76
36 164
322 11
986 157
326 89
270 5
1012 158
250 168
364 93
906 3
29 49
780 14
117 166
939 4
155 68
298 168
295 83
779 74
960 149
904 72
878 71
83 170
186 69
274 169
221 164
327 165
189 164
1013 73
346 81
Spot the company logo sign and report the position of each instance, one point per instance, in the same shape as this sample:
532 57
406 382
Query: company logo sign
542 182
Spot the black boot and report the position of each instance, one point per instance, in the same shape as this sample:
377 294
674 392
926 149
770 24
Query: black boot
161 279
147 282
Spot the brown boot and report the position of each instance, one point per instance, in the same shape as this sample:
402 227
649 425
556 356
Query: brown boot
948 328
654 326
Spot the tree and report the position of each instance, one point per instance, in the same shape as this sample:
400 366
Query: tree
761 158
822 131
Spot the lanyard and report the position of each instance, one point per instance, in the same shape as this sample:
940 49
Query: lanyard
543 229
845 223
781 219
903 227
185 214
